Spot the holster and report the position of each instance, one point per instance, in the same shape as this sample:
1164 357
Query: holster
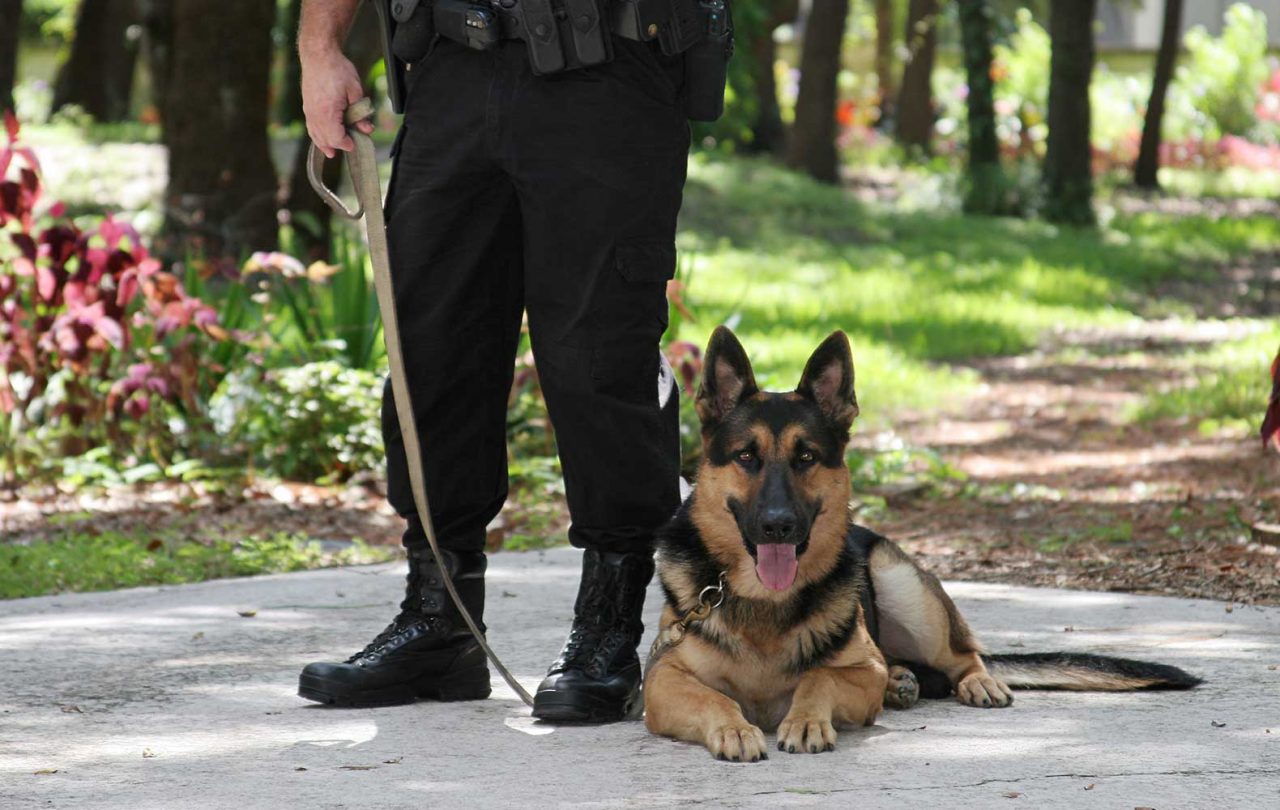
565 35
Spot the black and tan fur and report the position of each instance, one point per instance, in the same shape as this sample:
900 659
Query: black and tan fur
860 625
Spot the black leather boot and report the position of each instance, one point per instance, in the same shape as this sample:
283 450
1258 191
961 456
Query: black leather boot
426 652
596 679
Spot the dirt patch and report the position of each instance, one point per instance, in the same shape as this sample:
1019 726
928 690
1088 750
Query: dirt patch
1061 489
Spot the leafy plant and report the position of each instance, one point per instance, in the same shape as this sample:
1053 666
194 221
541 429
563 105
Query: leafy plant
1224 75
98 344
319 421
320 311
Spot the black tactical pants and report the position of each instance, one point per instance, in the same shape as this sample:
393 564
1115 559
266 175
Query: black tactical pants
556 194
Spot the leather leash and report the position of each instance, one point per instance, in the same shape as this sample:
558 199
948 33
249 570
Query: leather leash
363 165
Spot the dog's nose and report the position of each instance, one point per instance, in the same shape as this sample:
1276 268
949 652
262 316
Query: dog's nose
778 524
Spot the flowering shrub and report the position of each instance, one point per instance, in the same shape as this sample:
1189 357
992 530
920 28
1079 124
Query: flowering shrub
98 344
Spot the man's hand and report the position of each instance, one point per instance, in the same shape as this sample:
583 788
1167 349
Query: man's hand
329 81
329 85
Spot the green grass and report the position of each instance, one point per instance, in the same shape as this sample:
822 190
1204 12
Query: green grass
1228 388
84 562
785 261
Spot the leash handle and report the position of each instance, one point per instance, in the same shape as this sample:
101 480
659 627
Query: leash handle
363 165
356 113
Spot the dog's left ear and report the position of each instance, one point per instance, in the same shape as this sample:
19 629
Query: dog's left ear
828 381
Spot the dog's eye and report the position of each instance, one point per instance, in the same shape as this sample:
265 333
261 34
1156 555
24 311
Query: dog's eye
746 456
805 457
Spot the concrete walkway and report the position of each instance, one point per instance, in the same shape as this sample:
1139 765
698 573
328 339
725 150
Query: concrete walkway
171 698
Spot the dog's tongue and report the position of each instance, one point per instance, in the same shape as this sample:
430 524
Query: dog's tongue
776 565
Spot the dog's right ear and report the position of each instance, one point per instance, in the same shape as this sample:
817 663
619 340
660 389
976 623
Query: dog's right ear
727 378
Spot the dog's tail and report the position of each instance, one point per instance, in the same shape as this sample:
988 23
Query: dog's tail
1083 672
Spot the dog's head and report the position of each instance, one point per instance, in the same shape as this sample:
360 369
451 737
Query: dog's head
773 489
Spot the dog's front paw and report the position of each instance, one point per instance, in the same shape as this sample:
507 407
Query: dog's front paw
903 690
981 690
813 734
737 743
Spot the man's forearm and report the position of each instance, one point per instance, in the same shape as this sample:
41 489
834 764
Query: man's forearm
324 25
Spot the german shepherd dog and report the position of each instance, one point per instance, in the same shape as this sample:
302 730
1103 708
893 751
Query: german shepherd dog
781 613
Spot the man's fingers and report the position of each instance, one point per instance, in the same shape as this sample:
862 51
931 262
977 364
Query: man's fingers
365 126
346 144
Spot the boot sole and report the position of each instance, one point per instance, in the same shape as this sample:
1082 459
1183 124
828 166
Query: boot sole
577 708
468 684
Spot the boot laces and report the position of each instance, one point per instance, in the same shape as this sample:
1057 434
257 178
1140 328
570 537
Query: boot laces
408 616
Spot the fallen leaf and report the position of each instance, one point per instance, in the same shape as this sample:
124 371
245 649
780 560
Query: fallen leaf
247 614
357 767
1231 608
45 771
395 761
919 728
1091 786
1217 724
72 710
155 545
1068 629
299 769
1012 795
1272 667
147 753
273 712
198 636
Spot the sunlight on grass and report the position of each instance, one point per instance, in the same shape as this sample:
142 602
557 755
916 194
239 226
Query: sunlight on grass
92 562
1228 391
785 261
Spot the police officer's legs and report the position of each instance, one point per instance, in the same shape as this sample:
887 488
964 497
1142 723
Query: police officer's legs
453 227
599 161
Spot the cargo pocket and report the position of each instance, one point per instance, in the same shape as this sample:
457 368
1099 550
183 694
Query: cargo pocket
647 259
631 310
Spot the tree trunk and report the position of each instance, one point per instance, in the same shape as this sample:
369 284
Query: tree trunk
768 133
157 26
98 73
221 200
10 14
289 107
813 136
915 99
1147 168
312 220
884 57
985 181
1068 164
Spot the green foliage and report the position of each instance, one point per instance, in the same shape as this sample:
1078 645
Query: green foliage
1227 388
1223 76
319 421
95 562
1023 79
322 311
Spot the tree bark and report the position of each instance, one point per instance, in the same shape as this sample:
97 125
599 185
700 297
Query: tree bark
884 57
289 107
221 200
1068 164
98 73
985 181
312 220
812 147
1146 170
10 14
768 133
915 99
157 25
